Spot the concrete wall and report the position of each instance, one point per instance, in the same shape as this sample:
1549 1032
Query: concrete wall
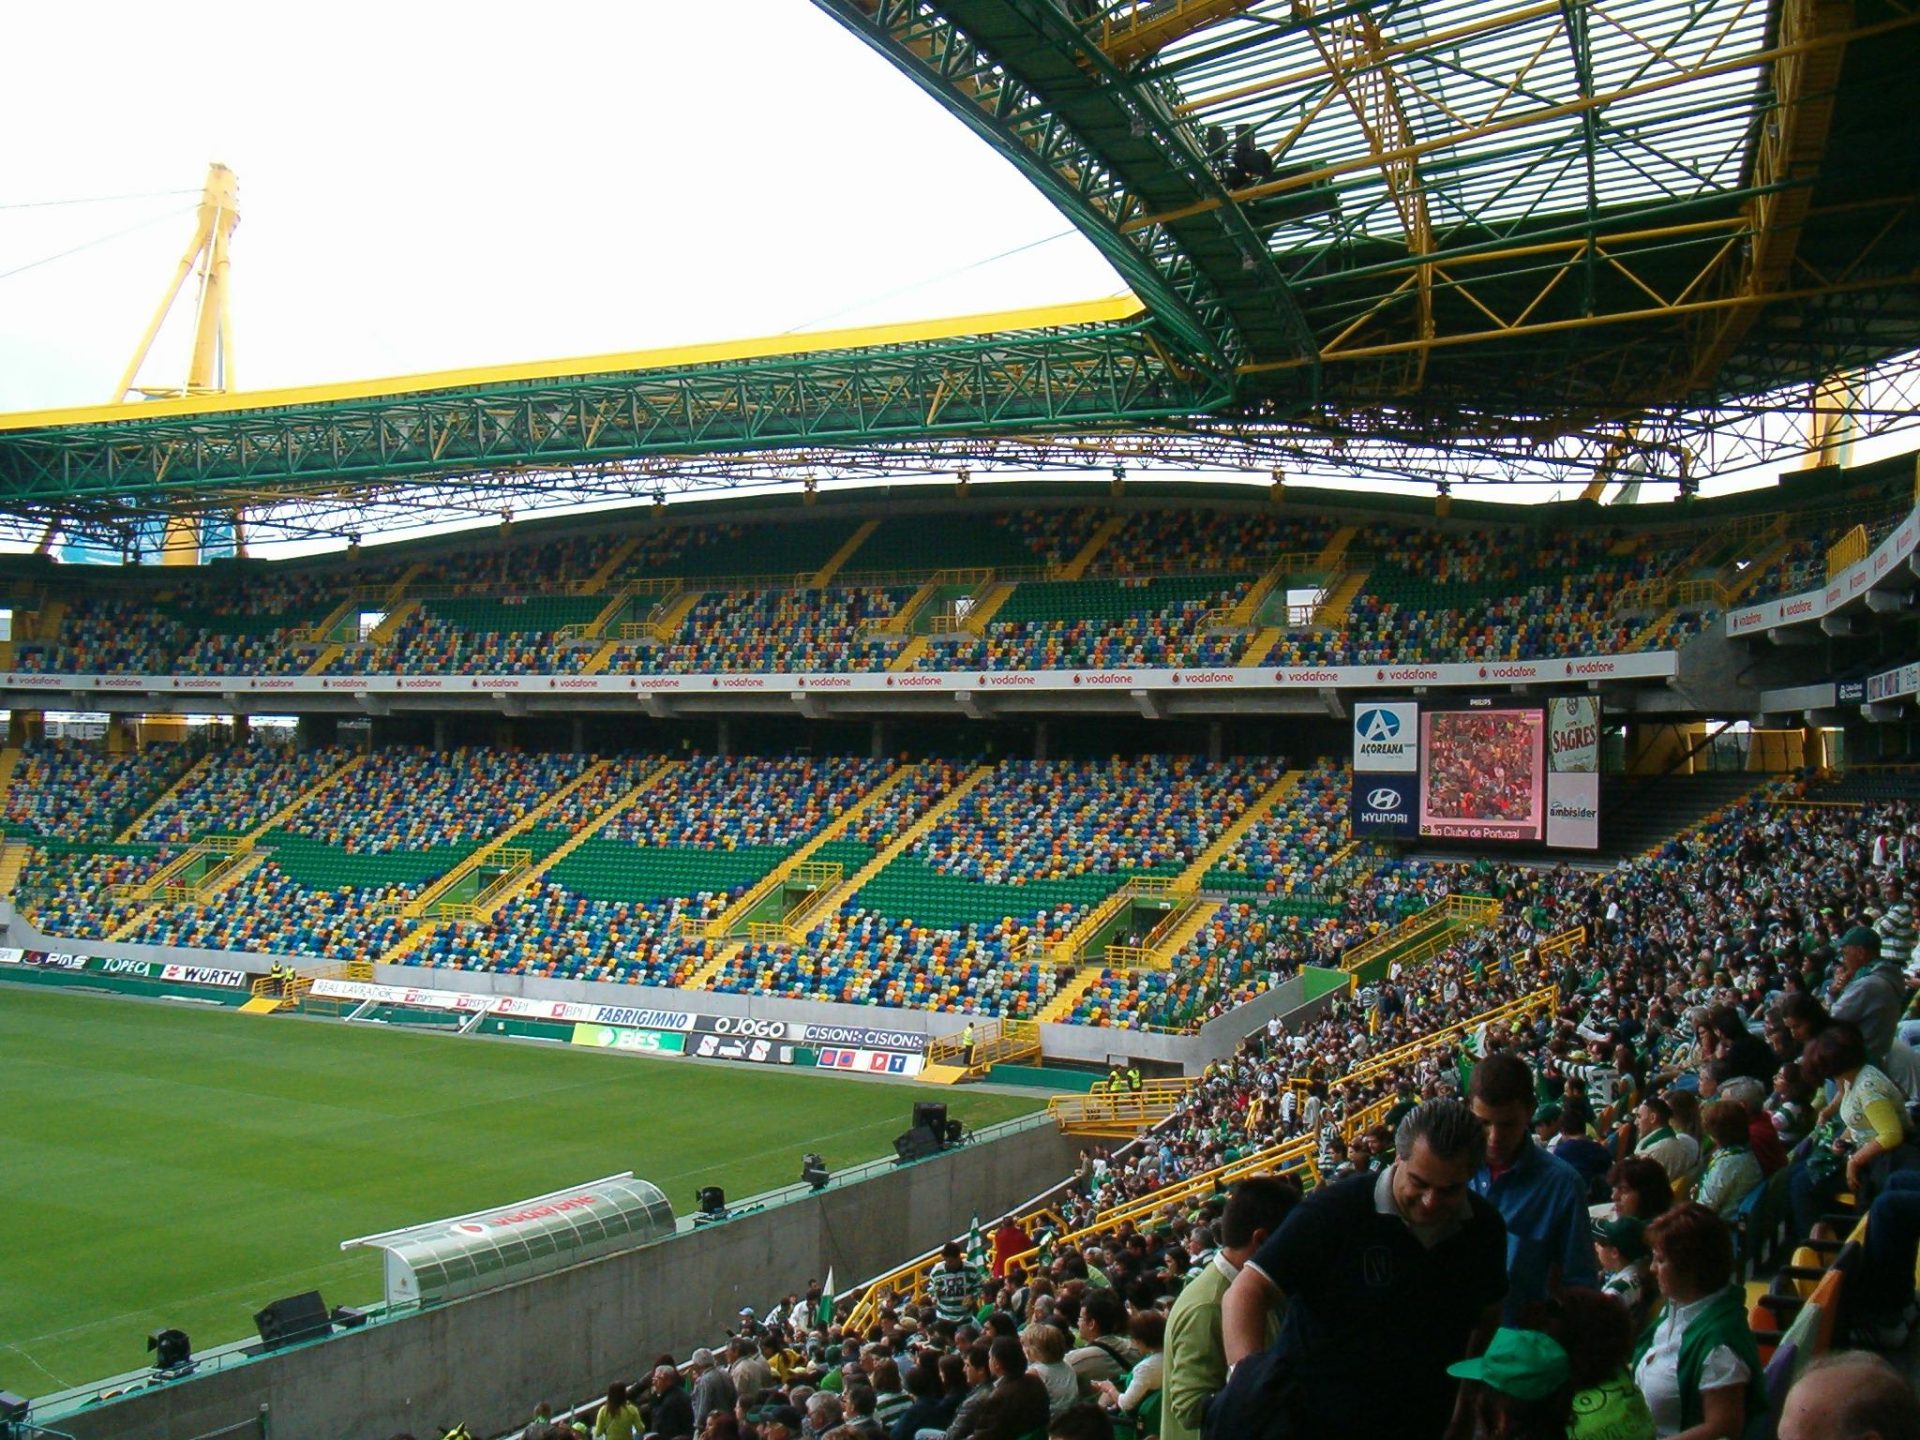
486 1360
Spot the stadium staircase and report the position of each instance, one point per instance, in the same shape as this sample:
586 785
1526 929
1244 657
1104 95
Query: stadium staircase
47 620
321 786
1076 947
390 626
411 942
1328 560
10 759
665 618
187 776
497 894
1068 995
1338 604
328 626
1649 634
1164 942
995 1042
910 654
793 928
596 583
1123 1115
428 901
1420 937
838 560
1261 645
1247 609
1076 568
1188 914
1195 874
905 840
13 859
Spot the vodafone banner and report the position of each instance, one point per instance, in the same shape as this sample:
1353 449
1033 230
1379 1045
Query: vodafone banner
1648 665
1840 590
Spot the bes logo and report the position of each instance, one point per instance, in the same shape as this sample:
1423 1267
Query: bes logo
1377 725
1383 799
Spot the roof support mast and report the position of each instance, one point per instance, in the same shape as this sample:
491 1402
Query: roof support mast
210 369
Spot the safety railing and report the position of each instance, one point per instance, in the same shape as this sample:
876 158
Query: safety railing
1527 1006
1434 922
1850 549
1123 1112
993 1041
1292 1157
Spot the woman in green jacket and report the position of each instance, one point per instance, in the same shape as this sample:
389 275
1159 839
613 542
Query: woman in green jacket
1697 1364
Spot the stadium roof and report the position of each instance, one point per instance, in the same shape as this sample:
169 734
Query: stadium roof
1405 238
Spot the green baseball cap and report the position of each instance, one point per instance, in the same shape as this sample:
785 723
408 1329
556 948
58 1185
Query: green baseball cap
1525 1364
1627 1234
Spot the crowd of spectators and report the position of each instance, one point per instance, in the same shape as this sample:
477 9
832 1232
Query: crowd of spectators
1547 1206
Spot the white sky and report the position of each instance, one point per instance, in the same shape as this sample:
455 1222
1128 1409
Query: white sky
431 186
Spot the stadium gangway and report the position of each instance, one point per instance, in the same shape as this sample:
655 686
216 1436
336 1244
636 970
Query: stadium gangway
1429 932
995 1042
1122 1114
1538 1002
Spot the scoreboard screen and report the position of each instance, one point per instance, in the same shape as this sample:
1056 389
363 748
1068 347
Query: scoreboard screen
1483 773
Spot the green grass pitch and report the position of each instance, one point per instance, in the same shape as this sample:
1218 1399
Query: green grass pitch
164 1165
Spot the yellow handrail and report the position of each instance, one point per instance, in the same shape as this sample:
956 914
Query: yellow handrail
1127 1112
1454 907
1534 1003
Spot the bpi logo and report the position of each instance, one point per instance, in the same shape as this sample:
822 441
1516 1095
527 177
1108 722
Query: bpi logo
1377 725
1383 799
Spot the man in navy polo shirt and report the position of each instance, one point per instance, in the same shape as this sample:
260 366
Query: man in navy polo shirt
1408 1264
1541 1198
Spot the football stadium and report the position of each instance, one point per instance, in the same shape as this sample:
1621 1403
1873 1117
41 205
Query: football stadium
1337 818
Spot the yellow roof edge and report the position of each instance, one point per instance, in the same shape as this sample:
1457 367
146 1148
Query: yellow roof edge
1080 312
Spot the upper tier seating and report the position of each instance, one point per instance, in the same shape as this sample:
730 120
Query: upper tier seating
1458 595
773 631
1004 541
74 791
237 790
1099 624
235 623
1210 541
493 635
519 566
785 552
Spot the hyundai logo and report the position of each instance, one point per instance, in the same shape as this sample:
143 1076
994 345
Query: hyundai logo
1377 724
1383 799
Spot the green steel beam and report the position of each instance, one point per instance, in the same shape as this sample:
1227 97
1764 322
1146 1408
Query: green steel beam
1081 377
1105 147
